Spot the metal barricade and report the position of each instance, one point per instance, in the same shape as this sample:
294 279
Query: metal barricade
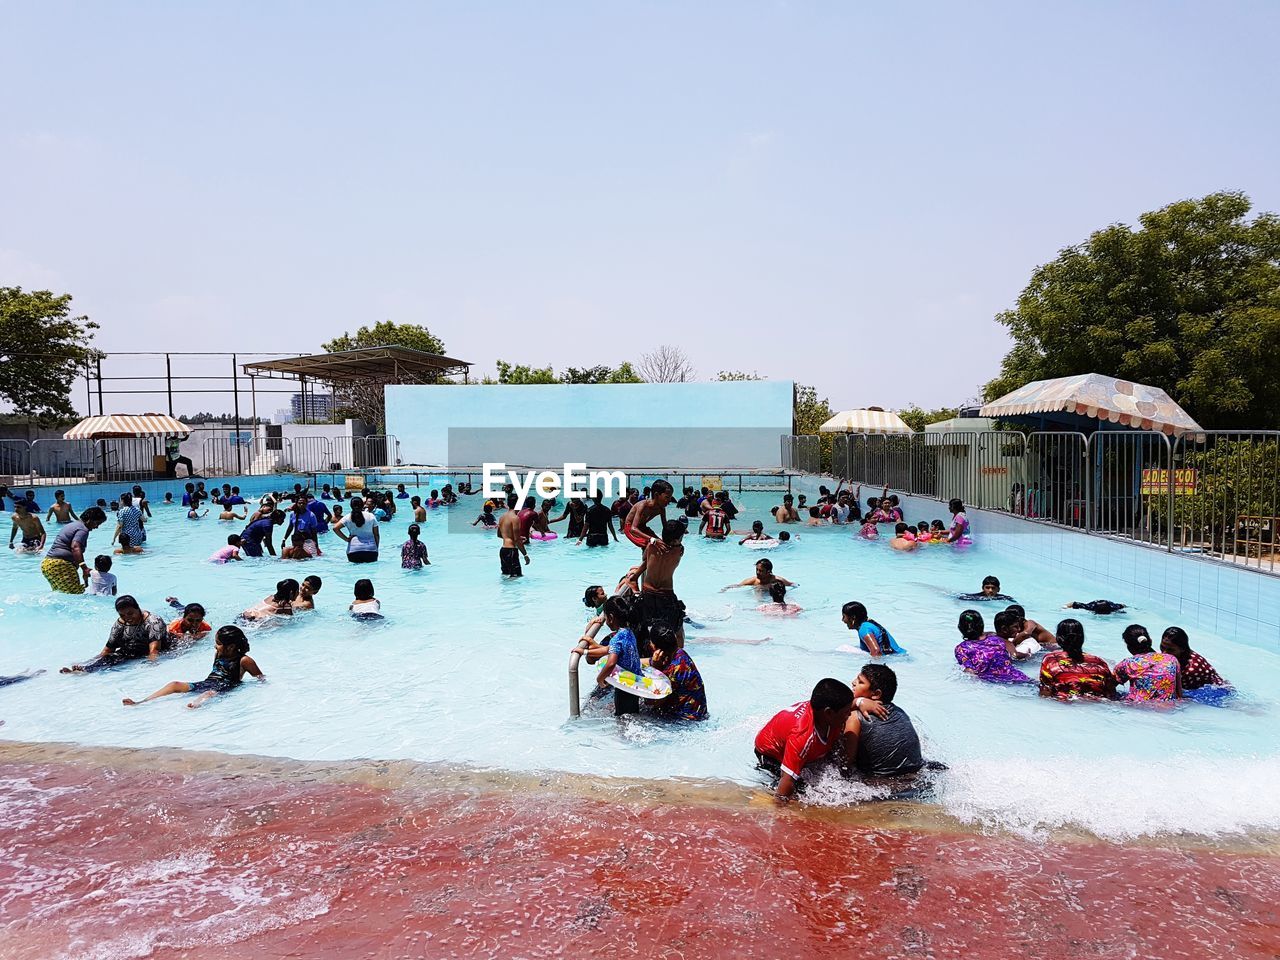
1054 484
840 466
310 454
924 467
381 450
788 443
55 462
1222 496
1119 503
15 461
240 455
809 454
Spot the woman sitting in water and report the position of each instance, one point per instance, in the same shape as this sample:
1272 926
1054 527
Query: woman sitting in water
779 606
231 661
1152 677
959 532
872 637
985 655
279 604
137 633
1196 671
1072 674
688 697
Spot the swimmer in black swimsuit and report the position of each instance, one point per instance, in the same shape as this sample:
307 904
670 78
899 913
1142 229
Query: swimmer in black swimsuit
1096 606
231 661
990 591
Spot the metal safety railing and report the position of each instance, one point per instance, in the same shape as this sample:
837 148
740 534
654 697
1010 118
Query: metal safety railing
1215 493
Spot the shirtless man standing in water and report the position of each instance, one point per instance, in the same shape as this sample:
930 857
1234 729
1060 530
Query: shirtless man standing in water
658 602
512 548
636 526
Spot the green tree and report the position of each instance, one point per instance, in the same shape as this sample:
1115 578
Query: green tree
737 375
1188 302
603 373
521 373
917 419
43 350
387 334
810 412
364 399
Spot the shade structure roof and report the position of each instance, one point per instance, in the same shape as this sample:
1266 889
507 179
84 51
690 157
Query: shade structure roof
865 421
1098 397
118 426
389 363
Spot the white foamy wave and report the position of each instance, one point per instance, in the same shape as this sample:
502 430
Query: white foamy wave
1117 798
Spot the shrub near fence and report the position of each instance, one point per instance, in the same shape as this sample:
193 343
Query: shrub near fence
1216 493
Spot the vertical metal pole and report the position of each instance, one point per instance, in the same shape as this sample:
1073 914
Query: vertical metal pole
253 395
168 381
88 390
100 413
235 392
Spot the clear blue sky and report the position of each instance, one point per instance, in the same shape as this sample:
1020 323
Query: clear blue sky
833 193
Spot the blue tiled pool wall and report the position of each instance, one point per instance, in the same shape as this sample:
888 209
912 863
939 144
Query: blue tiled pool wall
1231 601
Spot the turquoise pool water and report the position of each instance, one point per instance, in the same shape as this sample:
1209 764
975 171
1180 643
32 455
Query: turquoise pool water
471 669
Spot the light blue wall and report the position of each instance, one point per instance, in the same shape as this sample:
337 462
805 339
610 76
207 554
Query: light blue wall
730 424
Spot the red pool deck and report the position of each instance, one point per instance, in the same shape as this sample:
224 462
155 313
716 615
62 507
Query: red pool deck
116 854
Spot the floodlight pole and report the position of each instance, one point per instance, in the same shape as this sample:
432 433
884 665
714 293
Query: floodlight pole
168 381
235 392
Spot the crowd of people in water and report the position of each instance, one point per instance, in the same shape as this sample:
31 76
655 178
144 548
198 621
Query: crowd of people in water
638 625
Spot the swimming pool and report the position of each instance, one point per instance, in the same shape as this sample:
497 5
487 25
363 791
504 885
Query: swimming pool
470 670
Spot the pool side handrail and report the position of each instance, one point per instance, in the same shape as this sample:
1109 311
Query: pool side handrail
575 697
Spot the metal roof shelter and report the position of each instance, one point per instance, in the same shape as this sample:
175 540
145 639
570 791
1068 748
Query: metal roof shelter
390 364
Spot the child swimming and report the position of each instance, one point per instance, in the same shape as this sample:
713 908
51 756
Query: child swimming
778 607
231 661
230 552
307 591
191 625
413 553
126 545
365 606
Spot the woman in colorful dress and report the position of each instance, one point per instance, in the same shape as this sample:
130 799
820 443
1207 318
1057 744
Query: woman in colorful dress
1071 674
688 697
1196 670
985 655
1152 677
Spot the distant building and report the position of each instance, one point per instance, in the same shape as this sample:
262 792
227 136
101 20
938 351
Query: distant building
319 407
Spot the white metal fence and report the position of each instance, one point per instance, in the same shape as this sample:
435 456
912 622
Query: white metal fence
51 462
1215 493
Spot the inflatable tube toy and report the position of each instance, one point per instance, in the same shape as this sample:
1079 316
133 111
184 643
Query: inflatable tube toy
539 535
767 544
652 684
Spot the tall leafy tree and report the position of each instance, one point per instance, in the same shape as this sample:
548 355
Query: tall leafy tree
917 419
43 348
387 334
364 399
1189 301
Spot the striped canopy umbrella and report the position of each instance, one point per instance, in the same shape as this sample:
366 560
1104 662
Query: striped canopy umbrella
865 421
125 425
1098 397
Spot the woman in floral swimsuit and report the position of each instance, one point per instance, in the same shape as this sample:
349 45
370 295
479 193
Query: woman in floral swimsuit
1072 674
1152 677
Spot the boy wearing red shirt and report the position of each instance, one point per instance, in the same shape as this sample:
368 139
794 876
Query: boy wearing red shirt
803 733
